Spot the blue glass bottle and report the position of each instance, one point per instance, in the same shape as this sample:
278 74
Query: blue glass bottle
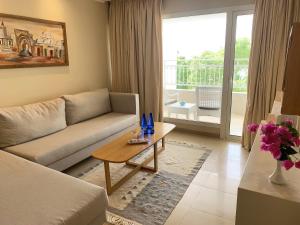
150 124
144 123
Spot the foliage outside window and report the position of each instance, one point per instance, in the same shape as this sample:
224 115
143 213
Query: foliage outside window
207 69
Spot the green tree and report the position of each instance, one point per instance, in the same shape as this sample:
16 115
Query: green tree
208 68
242 54
242 48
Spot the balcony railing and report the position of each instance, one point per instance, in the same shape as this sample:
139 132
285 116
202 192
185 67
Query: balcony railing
207 72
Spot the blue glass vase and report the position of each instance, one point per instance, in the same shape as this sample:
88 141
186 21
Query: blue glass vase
150 124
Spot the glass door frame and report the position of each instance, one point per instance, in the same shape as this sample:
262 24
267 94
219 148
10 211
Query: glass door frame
229 71
223 129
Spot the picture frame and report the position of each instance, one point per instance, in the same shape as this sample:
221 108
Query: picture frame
31 42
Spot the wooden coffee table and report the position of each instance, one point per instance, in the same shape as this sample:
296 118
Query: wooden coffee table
119 151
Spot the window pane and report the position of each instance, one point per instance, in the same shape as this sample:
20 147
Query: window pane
194 67
240 76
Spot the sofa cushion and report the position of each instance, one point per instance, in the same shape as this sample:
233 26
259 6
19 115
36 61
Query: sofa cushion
59 145
35 195
24 123
86 105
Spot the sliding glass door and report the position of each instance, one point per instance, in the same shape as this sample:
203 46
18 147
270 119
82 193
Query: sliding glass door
206 61
242 33
194 67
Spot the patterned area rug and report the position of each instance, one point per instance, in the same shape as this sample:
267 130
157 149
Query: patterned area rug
147 198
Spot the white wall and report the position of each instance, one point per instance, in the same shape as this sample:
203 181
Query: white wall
180 6
86 22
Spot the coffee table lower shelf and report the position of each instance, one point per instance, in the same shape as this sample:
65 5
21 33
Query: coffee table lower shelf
137 166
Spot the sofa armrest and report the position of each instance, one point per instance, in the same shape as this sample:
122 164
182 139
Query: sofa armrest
125 103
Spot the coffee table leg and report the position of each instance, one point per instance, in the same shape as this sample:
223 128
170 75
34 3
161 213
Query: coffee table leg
163 143
107 178
155 157
111 188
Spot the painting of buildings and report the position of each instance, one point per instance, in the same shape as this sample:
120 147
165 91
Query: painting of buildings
28 42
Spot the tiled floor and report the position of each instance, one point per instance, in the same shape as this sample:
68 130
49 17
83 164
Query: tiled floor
211 197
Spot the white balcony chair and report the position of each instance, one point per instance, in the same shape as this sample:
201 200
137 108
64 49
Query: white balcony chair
208 100
170 98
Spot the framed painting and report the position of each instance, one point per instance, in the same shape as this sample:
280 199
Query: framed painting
30 42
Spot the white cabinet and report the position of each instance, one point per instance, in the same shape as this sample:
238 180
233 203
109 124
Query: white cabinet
260 202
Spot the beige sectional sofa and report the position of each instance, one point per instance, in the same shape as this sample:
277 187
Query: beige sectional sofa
31 194
61 132
58 134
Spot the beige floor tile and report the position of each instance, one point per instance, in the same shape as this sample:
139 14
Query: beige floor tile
226 169
217 181
231 151
192 191
195 217
177 215
211 197
213 202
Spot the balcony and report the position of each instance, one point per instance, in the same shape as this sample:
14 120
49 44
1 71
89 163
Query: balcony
198 87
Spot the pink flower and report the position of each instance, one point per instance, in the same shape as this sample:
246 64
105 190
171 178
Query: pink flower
297 142
276 153
278 140
264 147
288 164
288 122
274 147
284 133
253 127
271 139
268 128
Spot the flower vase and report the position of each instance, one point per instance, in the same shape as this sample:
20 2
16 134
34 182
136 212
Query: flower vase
276 177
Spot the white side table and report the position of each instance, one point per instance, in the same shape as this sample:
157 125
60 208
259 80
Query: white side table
186 109
259 202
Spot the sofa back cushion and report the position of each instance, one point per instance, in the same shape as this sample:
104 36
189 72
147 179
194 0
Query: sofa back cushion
21 124
86 105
